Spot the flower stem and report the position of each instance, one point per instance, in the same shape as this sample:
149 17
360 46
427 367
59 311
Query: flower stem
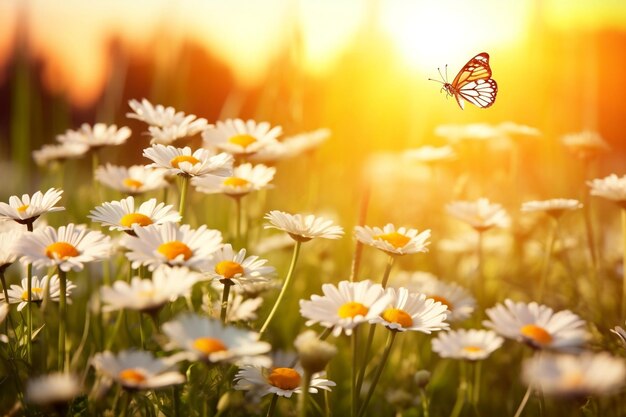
390 261
479 282
425 402
477 375
546 262
227 284
184 185
358 250
303 399
379 371
355 388
62 318
518 413
29 313
460 393
272 407
6 299
281 295
238 207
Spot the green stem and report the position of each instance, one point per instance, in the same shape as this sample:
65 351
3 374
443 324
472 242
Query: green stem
390 261
272 407
142 336
358 250
227 284
546 262
379 371
281 295
355 390
238 207
425 402
29 313
116 328
460 393
477 376
62 317
125 404
6 299
303 399
184 185
518 413
479 283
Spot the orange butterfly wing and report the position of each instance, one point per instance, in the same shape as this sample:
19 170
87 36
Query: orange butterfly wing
474 84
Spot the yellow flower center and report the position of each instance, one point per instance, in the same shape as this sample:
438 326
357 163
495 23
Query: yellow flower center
284 378
244 140
472 349
175 248
132 375
442 300
35 290
61 250
183 158
395 239
352 309
537 334
208 345
235 182
132 183
228 269
135 218
395 315
23 208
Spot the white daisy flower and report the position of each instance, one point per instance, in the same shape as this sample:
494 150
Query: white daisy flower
181 161
239 308
480 214
59 152
537 325
617 331
612 188
8 254
555 207
27 209
149 295
280 381
19 293
459 301
585 144
472 131
394 242
411 311
575 375
303 228
471 345
133 180
136 370
240 138
122 215
291 146
235 267
98 135
345 306
53 388
245 179
166 124
202 338
171 244
514 130
430 154
68 248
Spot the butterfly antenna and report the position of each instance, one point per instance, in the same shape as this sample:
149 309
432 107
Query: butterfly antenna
446 73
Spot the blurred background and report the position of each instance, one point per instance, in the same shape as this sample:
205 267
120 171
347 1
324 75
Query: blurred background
360 68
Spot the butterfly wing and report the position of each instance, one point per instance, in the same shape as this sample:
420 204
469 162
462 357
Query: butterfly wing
474 84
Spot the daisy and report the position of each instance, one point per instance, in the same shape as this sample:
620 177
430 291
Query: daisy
98 135
303 228
181 161
481 214
585 144
313 353
133 180
236 268
459 301
122 215
280 381
59 152
537 325
473 131
471 345
149 295
202 338
68 248
171 244
575 376
612 188
411 311
345 306
430 154
240 138
514 130
8 255
239 308
27 209
245 179
136 370
394 242
53 388
166 124
291 146
19 293
555 207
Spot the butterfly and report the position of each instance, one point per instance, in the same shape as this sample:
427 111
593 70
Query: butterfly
473 83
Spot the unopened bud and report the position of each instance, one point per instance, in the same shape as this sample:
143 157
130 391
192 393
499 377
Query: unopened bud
422 378
314 353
